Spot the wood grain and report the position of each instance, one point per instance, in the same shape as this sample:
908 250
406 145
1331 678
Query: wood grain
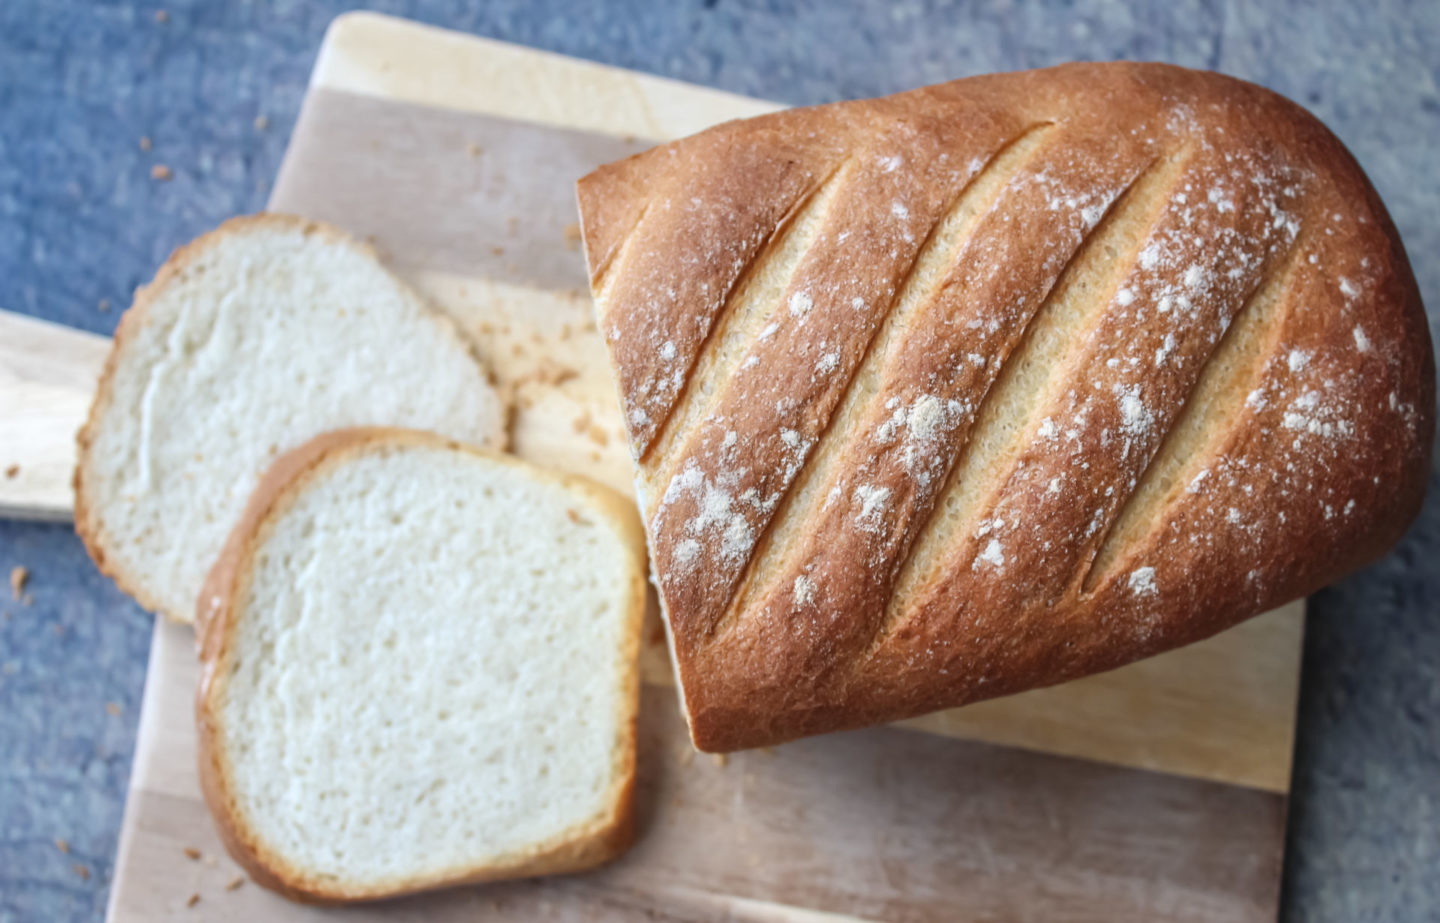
406 62
500 210
1222 709
47 375
873 825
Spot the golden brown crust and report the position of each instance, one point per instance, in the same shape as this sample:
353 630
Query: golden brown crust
1081 364
87 525
592 844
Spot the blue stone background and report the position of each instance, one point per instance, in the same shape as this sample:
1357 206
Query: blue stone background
81 220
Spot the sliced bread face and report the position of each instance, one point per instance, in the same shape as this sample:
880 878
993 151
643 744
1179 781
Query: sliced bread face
420 669
251 340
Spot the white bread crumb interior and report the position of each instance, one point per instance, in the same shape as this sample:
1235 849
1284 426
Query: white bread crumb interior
428 670
251 340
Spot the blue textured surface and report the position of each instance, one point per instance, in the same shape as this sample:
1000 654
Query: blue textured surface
81 220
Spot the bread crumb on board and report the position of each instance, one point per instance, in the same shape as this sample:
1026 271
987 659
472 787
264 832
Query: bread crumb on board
161 172
12 471
473 149
235 883
62 844
162 16
113 709
572 236
720 759
192 900
556 374
82 870
261 123
547 372
145 143
19 576
586 425
192 853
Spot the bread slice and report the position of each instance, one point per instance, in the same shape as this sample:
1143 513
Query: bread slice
420 669
251 340
998 383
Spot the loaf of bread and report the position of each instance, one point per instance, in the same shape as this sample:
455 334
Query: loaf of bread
251 340
998 383
420 669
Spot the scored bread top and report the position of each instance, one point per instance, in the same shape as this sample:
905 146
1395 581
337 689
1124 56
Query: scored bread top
998 383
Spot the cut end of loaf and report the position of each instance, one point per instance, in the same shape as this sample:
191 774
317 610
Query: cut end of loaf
422 671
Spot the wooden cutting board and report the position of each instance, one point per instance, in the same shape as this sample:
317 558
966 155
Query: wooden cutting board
1152 792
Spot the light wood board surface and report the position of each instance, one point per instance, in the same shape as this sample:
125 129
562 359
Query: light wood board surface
47 375
455 156
873 825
